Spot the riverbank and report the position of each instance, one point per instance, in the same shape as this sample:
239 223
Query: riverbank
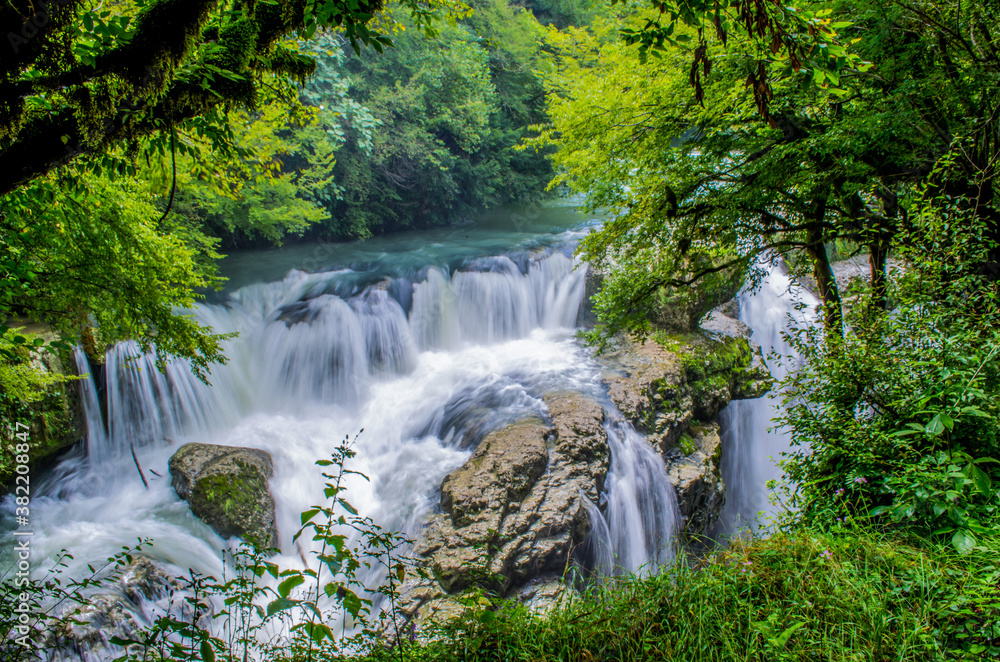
844 594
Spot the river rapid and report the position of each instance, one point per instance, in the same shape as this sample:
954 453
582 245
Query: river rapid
425 341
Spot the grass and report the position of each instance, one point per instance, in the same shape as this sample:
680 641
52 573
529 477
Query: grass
792 596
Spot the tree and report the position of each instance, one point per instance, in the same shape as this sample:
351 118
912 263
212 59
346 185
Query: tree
87 96
78 82
698 189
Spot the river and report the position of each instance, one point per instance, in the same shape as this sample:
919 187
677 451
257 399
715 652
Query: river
425 340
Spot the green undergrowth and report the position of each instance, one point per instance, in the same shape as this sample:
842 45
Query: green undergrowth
792 596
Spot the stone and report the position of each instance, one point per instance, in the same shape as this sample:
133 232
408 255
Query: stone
145 580
672 392
86 629
681 309
592 283
56 421
543 596
501 470
718 322
517 509
662 388
227 488
693 468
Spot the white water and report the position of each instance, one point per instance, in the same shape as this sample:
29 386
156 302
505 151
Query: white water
425 363
752 443
635 534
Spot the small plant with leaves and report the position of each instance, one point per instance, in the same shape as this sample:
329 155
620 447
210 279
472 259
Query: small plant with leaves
33 612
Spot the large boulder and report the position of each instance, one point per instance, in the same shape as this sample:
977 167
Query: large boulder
671 389
498 475
227 488
694 471
662 385
516 510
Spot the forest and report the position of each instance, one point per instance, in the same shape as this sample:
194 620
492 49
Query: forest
505 233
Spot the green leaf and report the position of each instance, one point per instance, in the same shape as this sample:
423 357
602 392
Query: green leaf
782 639
947 421
285 587
309 514
981 479
935 427
281 604
347 506
352 603
963 541
207 652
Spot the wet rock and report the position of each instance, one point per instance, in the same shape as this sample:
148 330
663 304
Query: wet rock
662 387
553 519
672 392
694 471
545 595
227 488
145 580
501 471
681 309
85 630
719 322
56 421
517 509
730 309
593 281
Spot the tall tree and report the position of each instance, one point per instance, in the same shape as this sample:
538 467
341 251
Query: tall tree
77 80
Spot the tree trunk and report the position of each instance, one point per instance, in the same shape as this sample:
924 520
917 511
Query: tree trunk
833 320
878 250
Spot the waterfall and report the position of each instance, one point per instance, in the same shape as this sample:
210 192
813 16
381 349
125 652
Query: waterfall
752 445
98 443
427 359
636 532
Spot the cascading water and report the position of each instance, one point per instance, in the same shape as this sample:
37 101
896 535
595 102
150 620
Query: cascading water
426 353
635 534
98 449
752 445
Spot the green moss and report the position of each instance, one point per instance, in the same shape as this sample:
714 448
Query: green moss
686 444
49 404
230 503
717 455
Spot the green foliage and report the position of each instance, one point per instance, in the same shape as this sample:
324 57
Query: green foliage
36 400
83 81
802 596
305 605
698 189
102 257
450 112
899 421
423 133
48 602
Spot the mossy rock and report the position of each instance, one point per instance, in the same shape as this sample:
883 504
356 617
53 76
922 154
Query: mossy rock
56 420
227 488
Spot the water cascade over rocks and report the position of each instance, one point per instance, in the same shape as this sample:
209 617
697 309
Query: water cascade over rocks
752 444
436 360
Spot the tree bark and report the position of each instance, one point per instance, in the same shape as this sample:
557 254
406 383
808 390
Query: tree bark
878 251
831 305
